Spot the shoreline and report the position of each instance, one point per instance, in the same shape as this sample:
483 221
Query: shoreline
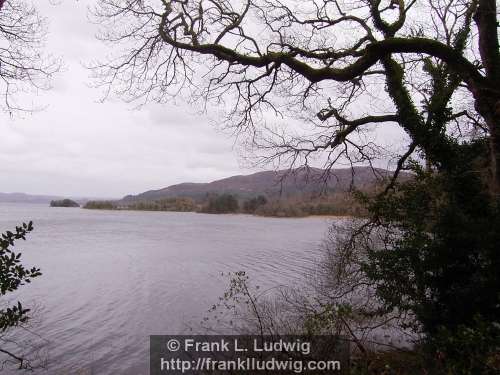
327 216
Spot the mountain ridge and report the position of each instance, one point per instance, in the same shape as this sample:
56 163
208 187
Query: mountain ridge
271 183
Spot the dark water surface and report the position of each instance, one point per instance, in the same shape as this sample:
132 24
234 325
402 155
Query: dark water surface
112 278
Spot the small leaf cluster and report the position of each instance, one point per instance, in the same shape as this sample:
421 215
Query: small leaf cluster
14 274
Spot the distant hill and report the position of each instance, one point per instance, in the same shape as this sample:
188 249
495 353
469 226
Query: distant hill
283 183
271 183
26 198
33 198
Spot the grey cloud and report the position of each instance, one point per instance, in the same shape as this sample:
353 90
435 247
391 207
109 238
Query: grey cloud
80 147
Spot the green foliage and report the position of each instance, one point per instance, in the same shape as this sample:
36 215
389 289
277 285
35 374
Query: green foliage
100 205
168 204
281 209
472 348
13 275
391 362
334 204
252 204
222 204
439 259
64 203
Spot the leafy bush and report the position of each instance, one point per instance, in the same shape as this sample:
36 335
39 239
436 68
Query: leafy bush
13 274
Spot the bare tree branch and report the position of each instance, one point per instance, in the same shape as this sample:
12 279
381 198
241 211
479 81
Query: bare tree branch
23 66
273 61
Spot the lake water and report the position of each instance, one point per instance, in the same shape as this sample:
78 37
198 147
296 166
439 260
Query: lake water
112 278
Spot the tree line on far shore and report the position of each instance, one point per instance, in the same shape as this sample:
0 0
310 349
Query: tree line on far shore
338 204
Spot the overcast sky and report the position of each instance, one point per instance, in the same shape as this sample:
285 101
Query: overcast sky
79 147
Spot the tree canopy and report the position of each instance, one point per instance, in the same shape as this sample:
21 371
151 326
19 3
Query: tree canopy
342 66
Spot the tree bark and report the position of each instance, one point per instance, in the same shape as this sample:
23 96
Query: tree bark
488 97
495 157
489 108
487 25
